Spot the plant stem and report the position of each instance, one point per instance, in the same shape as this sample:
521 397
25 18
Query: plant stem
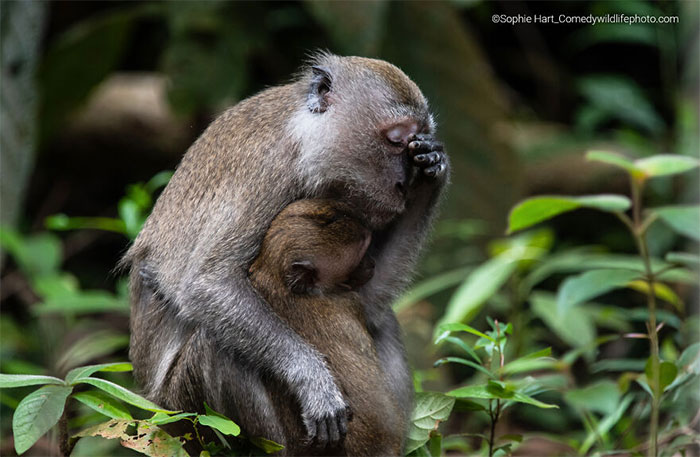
495 414
196 432
66 444
639 233
494 420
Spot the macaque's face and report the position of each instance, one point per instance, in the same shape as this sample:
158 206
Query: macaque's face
362 115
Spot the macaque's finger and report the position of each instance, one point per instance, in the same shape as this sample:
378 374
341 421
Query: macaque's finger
428 159
422 146
333 432
343 426
311 430
322 436
435 171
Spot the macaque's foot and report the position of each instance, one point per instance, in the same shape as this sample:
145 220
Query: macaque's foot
428 155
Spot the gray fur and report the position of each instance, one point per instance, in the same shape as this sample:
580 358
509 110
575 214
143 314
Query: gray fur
199 329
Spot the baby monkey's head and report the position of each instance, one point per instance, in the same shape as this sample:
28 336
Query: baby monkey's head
317 246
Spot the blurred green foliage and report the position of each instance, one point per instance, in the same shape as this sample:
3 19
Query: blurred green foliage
517 107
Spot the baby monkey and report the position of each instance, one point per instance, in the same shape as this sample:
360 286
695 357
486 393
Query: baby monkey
312 260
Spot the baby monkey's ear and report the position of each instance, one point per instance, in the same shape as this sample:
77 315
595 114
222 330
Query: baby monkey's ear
301 277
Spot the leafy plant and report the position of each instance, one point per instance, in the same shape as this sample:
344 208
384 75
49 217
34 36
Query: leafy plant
46 407
133 209
501 388
647 277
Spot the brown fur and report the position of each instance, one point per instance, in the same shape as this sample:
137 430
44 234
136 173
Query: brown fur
332 320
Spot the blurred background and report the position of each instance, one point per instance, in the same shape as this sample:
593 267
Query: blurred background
99 98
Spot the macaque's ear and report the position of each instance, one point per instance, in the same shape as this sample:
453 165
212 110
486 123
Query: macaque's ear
301 277
320 87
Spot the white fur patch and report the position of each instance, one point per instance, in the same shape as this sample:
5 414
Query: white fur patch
165 363
311 131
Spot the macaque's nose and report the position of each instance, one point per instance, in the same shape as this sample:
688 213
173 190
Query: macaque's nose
401 133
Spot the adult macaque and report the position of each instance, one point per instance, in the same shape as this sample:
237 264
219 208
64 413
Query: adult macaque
350 129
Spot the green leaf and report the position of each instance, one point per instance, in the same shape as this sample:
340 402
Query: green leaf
22 380
537 209
97 301
526 365
130 213
546 352
511 437
435 444
538 360
621 99
483 282
667 374
158 180
661 290
690 359
268 446
36 255
430 409
462 405
606 424
162 418
468 363
430 286
36 414
571 356
92 346
123 394
648 167
583 259
503 451
692 260
103 404
55 285
445 329
456 341
618 365
84 372
602 397
666 164
63 222
487 391
219 422
581 288
617 160
574 326
684 219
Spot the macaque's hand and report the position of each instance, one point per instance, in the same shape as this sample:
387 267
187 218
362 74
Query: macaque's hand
326 419
427 154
